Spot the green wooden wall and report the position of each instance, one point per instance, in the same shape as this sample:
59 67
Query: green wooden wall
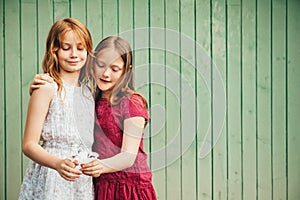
221 78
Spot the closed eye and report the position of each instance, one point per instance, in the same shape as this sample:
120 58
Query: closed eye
100 64
115 68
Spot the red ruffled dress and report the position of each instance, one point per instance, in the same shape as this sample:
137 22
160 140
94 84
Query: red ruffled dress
134 183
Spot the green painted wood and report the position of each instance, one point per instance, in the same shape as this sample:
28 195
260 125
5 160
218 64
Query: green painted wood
2 109
141 59
248 100
79 10
45 19
254 47
264 90
157 94
172 115
234 104
279 102
204 161
94 20
219 58
110 17
61 9
29 49
293 95
13 98
188 100
125 18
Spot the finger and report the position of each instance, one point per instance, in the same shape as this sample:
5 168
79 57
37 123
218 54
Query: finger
39 81
72 170
90 164
68 177
35 86
75 162
72 174
46 77
95 173
69 163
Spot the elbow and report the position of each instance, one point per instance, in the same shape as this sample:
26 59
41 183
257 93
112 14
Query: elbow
129 164
26 148
130 159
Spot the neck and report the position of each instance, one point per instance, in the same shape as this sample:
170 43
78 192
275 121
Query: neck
70 78
105 95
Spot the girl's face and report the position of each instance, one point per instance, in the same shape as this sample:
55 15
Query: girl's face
72 54
109 68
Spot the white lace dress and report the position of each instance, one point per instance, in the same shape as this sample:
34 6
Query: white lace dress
67 132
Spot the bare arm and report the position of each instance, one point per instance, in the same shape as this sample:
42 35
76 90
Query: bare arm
38 80
37 111
133 130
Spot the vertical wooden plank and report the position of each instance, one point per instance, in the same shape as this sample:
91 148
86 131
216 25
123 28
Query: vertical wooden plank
203 53
29 59
94 20
219 136
157 93
234 99
188 99
141 60
142 66
173 152
264 100
13 98
293 97
79 10
249 100
279 98
45 19
61 9
110 18
126 23
2 106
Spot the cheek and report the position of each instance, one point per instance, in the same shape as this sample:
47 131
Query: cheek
97 72
83 55
118 76
60 54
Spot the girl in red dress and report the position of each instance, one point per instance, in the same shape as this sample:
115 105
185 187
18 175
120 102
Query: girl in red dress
121 172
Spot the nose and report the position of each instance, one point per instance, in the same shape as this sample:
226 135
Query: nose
106 72
74 52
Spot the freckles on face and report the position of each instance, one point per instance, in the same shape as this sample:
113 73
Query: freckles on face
109 67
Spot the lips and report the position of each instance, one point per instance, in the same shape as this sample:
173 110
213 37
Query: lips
73 62
105 81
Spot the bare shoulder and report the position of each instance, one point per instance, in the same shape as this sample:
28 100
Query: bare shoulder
45 91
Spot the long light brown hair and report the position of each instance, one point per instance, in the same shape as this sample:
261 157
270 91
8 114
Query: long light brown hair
53 44
125 85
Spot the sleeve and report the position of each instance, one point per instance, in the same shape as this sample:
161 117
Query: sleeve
134 106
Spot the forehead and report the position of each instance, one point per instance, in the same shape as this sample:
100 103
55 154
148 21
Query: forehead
110 56
70 36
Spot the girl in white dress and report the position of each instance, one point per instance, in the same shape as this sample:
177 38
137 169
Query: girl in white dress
59 128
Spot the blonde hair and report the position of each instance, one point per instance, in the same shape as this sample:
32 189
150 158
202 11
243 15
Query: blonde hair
125 86
53 44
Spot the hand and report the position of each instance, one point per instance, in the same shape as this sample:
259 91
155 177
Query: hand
93 168
66 170
39 79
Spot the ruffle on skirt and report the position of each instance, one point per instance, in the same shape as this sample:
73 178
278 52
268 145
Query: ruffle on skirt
123 190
